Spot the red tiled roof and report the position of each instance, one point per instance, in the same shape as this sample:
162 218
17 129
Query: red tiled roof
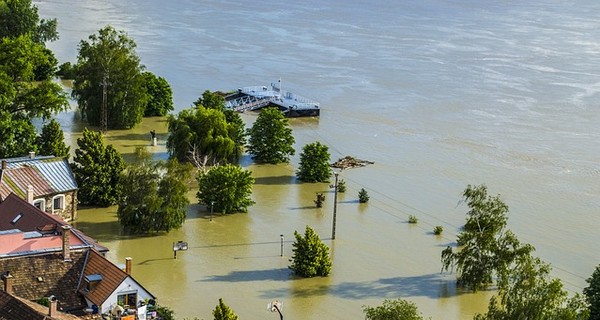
112 277
33 219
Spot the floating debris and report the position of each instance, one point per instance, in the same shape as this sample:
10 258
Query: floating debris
349 162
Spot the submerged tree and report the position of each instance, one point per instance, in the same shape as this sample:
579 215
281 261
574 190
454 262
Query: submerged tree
202 136
592 294
52 140
97 169
398 309
107 63
487 248
311 255
314 163
153 194
160 95
527 292
270 138
224 312
227 188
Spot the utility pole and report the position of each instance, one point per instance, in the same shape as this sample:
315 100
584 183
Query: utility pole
335 203
104 108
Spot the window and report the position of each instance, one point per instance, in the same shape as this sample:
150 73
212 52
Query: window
16 218
40 204
58 202
128 299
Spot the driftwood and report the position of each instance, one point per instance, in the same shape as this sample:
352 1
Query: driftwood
349 162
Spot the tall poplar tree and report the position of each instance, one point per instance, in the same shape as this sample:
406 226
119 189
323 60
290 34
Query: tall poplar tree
314 163
224 312
311 255
109 71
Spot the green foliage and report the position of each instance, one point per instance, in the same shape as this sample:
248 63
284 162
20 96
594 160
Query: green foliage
320 200
25 86
66 71
211 100
224 312
199 135
97 169
110 56
237 132
228 186
18 135
398 309
271 140
314 163
311 256
44 301
437 230
160 95
153 196
20 17
363 196
165 313
529 293
592 294
487 247
52 140
412 219
341 187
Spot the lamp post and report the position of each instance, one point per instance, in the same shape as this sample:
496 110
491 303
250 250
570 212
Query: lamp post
212 204
281 235
335 186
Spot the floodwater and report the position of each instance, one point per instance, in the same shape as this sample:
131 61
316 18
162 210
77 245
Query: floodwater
439 94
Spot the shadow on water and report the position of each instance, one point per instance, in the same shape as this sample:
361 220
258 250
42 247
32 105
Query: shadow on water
275 180
106 231
430 285
281 274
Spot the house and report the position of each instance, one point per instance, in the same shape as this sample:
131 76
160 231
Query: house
14 308
42 256
47 182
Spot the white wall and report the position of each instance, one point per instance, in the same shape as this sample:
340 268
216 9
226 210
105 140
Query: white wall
127 285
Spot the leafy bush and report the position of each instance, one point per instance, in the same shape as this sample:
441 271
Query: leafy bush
438 230
363 196
412 219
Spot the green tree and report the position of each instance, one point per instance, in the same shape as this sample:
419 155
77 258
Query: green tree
237 132
211 100
160 95
363 196
487 247
592 294
271 139
18 135
20 17
311 255
398 309
153 196
97 169
314 163
199 135
52 140
529 293
224 312
66 71
228 188
23 91
165 313
108 61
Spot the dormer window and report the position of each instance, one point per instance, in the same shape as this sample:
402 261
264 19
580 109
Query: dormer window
92 281
14 221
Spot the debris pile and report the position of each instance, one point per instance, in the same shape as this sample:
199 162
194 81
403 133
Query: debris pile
349 162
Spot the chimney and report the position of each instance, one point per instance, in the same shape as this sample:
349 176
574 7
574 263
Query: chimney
52 310
128 265
7 278
66 248
3 164
30 194
31 154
